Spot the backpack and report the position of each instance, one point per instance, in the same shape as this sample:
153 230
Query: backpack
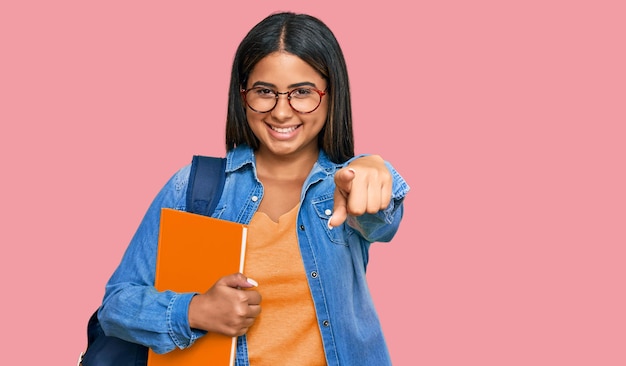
201 198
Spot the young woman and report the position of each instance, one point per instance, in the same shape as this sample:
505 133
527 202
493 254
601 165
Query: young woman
312 210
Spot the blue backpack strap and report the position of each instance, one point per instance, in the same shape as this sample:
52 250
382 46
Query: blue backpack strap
206 181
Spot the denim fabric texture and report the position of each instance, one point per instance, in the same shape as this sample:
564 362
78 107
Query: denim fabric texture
335 262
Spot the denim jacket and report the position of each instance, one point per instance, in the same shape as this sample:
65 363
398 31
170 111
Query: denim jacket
335 261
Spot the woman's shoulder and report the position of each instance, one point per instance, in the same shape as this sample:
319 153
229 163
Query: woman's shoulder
181 177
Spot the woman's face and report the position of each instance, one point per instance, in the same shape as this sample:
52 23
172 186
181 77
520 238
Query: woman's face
284 131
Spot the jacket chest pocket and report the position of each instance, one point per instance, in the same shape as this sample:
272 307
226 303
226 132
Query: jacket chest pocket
324 209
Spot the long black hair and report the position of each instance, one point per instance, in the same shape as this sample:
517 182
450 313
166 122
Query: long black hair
312 41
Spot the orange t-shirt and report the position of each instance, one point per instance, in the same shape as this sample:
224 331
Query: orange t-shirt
286 332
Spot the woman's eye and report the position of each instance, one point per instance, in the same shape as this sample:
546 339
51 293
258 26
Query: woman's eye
301 92
264 92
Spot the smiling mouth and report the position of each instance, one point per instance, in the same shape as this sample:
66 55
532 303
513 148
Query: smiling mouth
284 130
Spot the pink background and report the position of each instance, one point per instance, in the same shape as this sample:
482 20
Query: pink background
506 118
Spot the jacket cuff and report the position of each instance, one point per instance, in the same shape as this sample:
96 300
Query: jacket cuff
178 321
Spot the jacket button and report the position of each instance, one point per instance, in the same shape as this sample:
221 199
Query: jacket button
314 274
326 323
328 212
255 198
302 227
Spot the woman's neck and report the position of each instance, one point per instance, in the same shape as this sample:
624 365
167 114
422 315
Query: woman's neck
287 167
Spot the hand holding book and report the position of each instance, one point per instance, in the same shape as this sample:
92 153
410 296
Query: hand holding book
227 307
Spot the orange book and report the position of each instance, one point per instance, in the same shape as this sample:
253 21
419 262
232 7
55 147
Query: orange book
194 252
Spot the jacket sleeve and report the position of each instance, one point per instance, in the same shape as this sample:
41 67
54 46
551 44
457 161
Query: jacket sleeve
132 308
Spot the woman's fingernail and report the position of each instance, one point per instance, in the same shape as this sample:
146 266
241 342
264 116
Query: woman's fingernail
252 282
330 227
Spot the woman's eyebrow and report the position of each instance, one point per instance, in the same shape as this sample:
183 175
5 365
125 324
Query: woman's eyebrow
263 83
304 83
291 86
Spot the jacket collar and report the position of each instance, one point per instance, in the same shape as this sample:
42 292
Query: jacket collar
243 155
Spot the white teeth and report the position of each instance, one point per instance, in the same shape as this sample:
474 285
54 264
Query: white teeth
284 130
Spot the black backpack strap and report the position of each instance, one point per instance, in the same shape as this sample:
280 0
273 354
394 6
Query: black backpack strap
206 181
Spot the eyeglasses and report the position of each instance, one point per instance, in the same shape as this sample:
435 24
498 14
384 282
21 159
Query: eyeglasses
302 100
